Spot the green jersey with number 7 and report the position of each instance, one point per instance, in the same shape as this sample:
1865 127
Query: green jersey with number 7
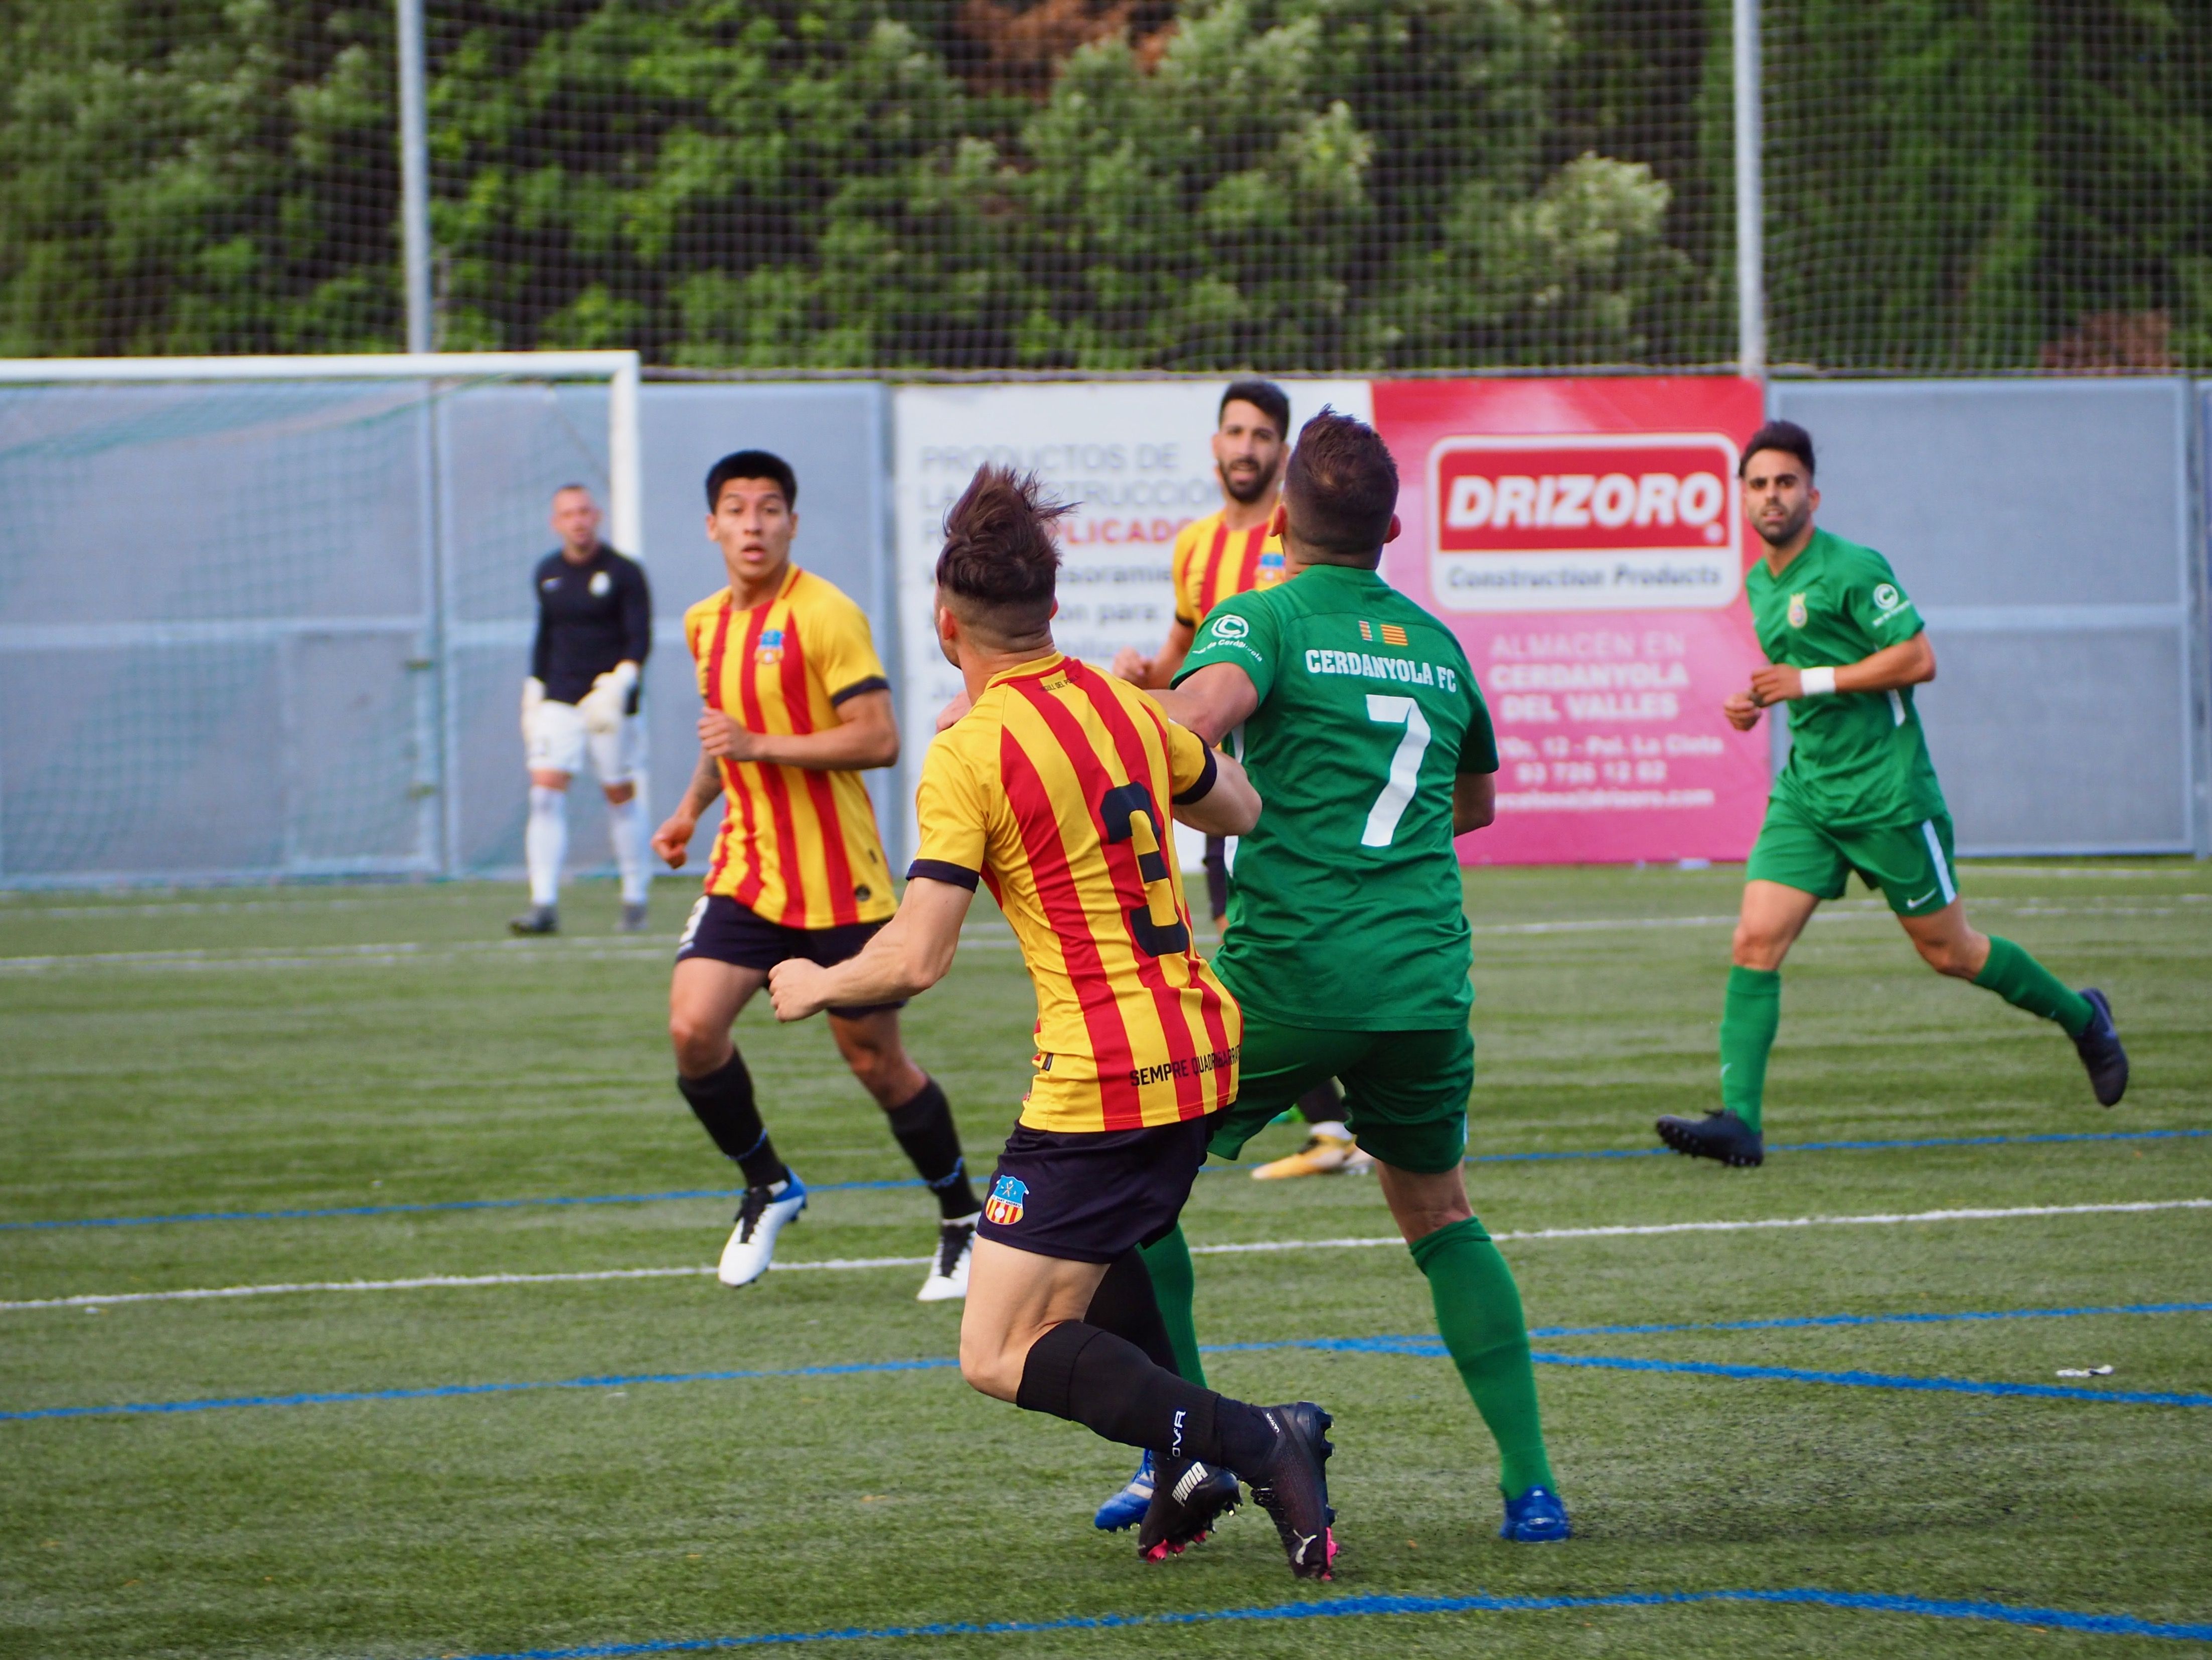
1345 913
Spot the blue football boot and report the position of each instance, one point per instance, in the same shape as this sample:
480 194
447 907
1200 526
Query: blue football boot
1536 1518
2098 1046
1127 1508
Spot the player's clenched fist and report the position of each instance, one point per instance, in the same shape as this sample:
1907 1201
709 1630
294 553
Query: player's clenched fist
723 737
1743 713
1133 665
672 841
794 986
1777 682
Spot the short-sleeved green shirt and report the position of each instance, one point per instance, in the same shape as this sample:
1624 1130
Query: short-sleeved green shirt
1345 914
1857 759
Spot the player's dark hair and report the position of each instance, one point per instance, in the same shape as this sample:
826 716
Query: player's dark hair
751 464
1784 435
1264 396
1001 559
1340 489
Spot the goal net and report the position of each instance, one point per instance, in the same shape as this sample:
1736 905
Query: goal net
266 617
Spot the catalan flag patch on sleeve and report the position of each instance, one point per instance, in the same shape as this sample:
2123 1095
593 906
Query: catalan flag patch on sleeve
1366 630
1392 635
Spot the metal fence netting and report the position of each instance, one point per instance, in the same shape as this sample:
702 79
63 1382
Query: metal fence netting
993 185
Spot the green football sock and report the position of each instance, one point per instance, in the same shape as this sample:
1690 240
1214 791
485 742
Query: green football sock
1479 1316
1748 1019
2025 983
1175 1287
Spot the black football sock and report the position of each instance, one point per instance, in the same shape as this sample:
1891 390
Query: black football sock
925 1131
1126 1305
724 1102
1104 1383
1323 1103
1217 876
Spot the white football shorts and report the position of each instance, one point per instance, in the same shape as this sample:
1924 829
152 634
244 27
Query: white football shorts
559 740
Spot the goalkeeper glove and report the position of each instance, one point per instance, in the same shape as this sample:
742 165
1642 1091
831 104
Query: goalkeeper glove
533 694
608 701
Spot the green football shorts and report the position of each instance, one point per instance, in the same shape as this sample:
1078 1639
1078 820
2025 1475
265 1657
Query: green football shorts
1405 1093
1912 863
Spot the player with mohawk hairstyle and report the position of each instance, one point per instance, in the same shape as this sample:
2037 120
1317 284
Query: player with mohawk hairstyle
1056 787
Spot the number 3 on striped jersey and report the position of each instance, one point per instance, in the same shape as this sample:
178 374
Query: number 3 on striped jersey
1405 766
1128 815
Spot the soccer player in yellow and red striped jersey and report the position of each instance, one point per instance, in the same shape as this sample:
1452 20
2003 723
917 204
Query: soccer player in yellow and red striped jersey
1056 788
797 705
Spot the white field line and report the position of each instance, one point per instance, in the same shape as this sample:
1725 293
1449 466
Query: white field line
406 951
442 1281
590 951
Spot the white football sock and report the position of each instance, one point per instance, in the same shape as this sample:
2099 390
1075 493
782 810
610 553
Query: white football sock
545 842
1332 1127
626 829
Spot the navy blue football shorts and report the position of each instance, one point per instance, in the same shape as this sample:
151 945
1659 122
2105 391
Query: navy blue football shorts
722 930
1089 1196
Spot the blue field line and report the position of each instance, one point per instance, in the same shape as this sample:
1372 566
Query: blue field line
1420 1347
1871 1380
1804 1321
439 1391
910 1181
1367 1607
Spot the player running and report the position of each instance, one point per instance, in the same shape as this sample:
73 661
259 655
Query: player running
797 706
594 629
1846 647
1363 730
1225 554
1055 788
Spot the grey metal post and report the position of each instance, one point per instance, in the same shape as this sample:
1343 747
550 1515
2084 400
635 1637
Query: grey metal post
1750 209
414 179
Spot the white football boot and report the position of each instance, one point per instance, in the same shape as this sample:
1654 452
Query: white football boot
761 1217
956 1248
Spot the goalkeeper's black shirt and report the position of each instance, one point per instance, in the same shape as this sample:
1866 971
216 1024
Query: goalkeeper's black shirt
590 617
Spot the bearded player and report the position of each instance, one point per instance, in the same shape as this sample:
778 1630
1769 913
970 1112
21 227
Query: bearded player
1057 787
1228 552
796 707
1363 730
1845 648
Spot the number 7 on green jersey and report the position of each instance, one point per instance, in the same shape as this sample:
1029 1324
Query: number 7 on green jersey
1405 766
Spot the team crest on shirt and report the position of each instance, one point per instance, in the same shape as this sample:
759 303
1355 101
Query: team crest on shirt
1797 610
1230 626
771 649
1271 568
601 585
1004 1207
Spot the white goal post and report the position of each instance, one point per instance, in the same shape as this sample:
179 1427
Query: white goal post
263 617
619 369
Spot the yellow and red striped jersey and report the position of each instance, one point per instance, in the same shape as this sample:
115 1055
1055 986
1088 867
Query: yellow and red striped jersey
1055 789
797 846
1213 562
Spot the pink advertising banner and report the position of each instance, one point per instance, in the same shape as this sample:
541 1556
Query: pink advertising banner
1582 539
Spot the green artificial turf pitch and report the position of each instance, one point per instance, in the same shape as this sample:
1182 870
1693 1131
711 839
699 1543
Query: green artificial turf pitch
360 1049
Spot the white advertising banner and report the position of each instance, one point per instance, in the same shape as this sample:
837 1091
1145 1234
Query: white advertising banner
1133 456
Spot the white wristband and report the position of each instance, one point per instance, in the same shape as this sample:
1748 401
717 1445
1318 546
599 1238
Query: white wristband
1817 683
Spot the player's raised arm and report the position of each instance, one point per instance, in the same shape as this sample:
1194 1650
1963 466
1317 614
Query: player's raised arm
865 736
1214 794
1908 663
